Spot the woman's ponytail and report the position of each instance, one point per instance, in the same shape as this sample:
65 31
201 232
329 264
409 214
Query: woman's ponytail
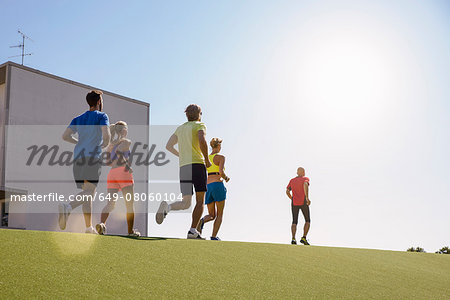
116 129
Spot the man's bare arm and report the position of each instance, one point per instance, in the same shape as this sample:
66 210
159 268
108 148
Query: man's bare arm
68 136
306 188
204 147
288 193
106 136
173 140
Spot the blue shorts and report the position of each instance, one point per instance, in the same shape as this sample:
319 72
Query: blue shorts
216 191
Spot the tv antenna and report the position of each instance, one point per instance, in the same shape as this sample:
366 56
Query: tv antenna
22 46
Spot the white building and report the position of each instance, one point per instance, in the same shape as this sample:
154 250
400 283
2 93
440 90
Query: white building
35 108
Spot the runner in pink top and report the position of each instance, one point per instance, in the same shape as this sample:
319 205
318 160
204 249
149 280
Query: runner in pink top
299 200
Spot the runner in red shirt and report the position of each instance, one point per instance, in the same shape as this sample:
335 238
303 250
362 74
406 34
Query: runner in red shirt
299 200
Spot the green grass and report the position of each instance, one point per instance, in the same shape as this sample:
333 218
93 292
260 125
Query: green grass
66 265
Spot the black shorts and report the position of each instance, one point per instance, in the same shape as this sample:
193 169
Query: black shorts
87 169
305 211
193 176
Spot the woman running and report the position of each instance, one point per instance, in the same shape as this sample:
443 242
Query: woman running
120 177
216 192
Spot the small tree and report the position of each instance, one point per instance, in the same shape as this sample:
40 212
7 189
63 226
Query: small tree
444 250
417 249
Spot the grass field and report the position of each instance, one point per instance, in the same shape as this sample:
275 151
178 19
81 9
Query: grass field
62 265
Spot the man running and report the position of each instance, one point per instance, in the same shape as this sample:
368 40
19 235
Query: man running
300 201
193 156
93 135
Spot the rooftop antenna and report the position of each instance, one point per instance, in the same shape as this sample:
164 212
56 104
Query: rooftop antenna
22 45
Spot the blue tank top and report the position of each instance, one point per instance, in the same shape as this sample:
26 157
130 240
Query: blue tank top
114 156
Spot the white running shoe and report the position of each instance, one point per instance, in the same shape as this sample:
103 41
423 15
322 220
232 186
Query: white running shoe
101 228
90 230
135 233
194 236
64 212
162 212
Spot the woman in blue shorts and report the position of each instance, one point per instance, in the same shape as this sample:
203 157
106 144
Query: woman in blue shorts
216 192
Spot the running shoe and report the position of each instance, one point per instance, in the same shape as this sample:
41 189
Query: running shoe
304 241
64 212
294 242
101 228
162 212
200 225
135 233
194 236
90 230
215 238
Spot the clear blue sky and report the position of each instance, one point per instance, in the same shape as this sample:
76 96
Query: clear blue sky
354 91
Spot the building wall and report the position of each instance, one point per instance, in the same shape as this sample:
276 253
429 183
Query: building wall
39 99
41 107
2 123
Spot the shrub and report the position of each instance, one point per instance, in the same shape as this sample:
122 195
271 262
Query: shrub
417 249
444 250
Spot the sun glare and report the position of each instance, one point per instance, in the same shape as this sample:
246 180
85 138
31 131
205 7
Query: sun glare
348 79
75 244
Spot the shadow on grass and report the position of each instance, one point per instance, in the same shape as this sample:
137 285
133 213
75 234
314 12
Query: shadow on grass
142 238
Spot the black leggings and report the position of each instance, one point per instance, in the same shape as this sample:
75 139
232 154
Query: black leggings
305 211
